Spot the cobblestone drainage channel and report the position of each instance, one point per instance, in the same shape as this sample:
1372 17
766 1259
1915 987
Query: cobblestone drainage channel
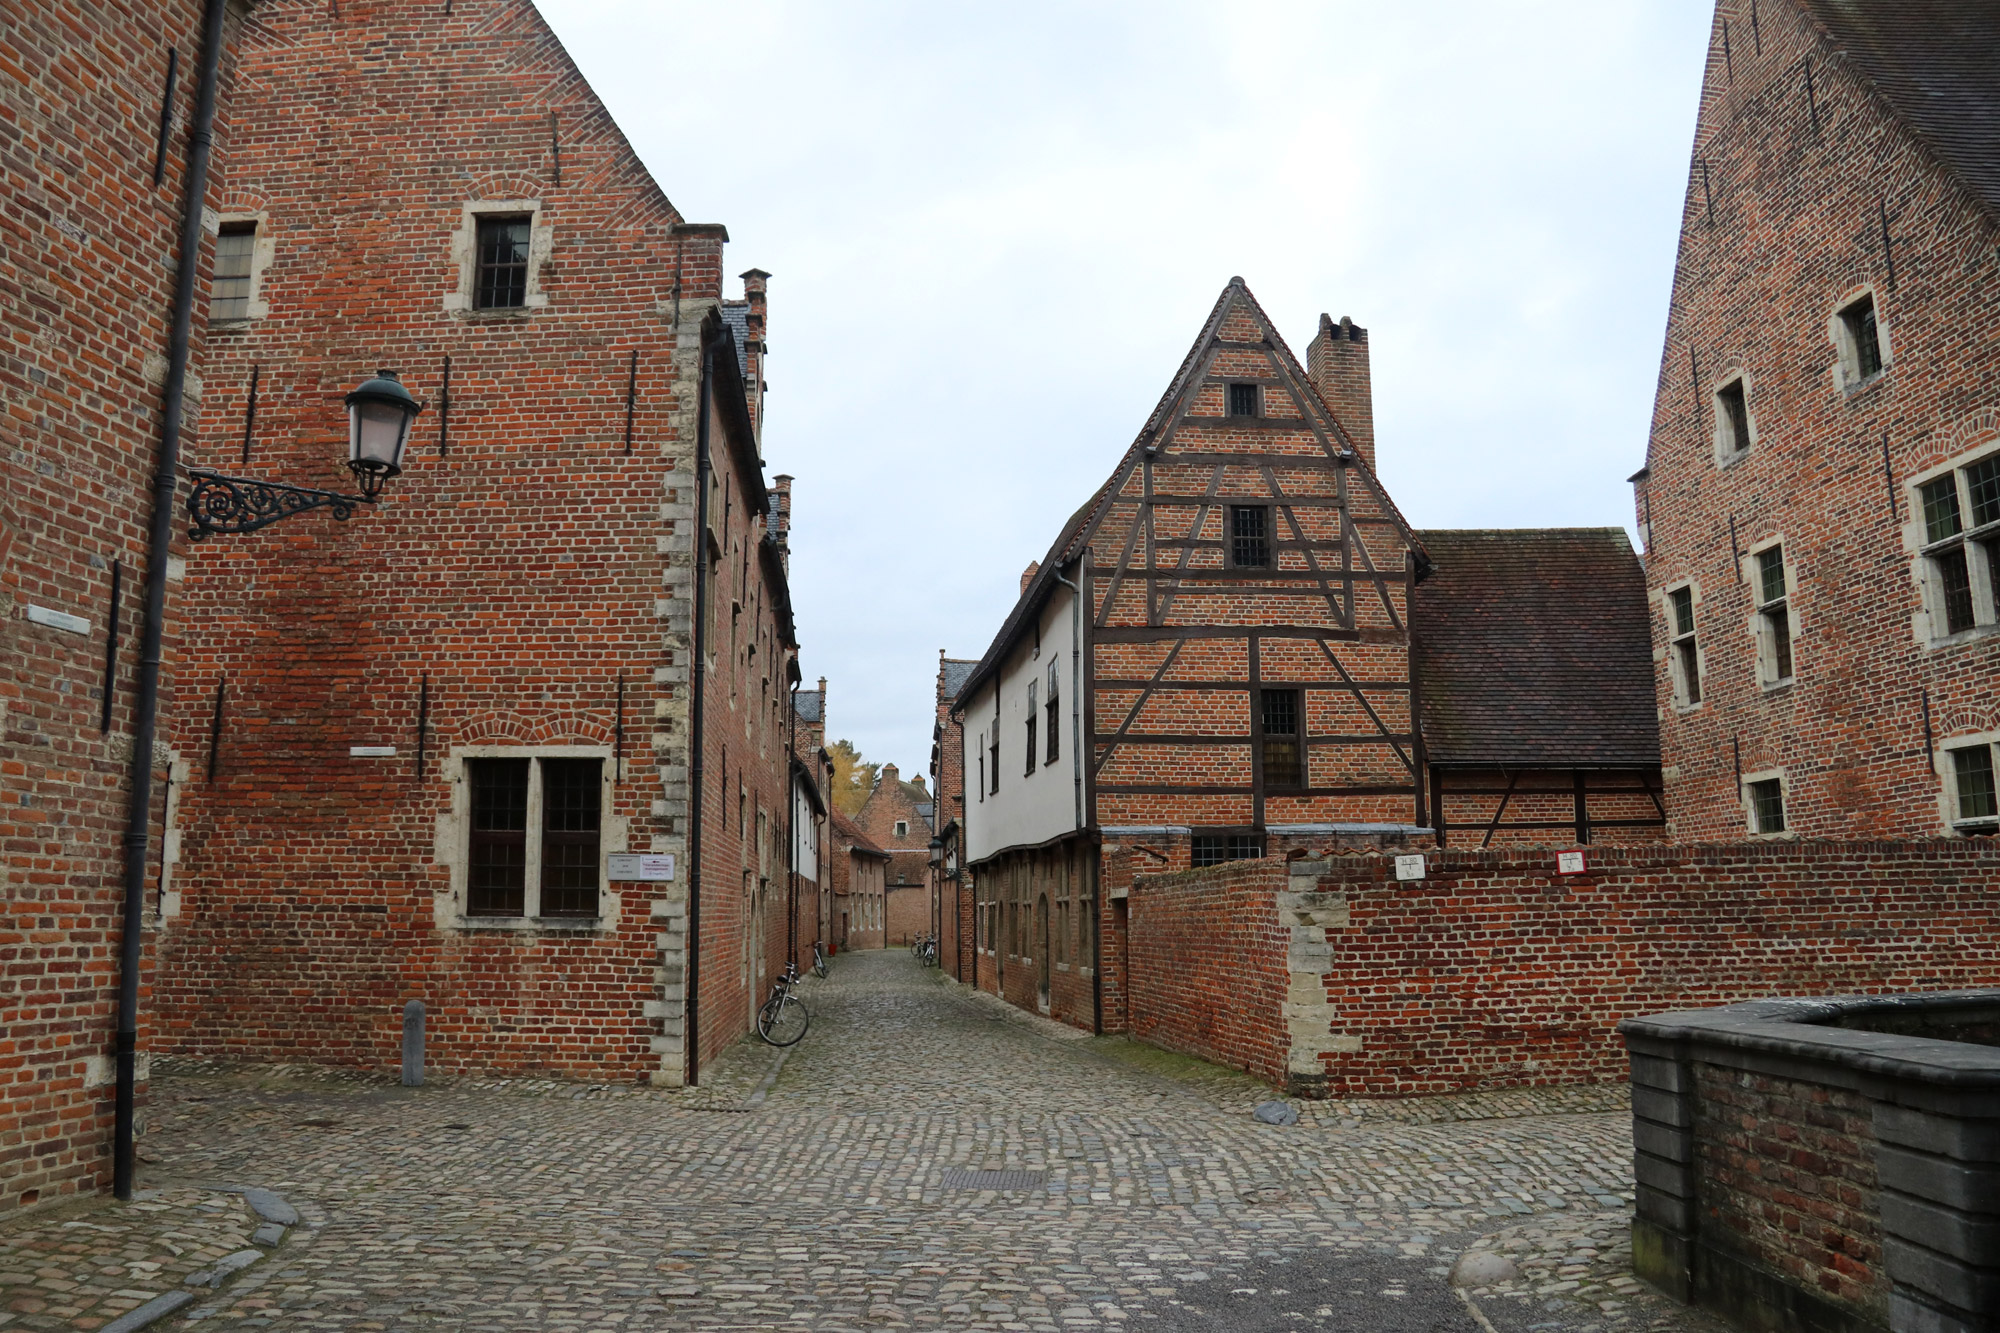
962 1178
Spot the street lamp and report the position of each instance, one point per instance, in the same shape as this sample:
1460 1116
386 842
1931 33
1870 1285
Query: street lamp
379 414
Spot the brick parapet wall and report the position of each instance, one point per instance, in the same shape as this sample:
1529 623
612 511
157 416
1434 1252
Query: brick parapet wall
1494 971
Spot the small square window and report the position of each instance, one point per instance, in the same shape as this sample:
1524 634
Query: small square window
502 280
1767 806
1732 417
1972 779
902 828
229 293
1982 487
1283 754
1249 536
1941 515
1859 321
1243 400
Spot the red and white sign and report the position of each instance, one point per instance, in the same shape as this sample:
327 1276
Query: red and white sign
1571 863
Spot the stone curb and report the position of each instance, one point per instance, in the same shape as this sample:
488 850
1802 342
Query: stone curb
277 1215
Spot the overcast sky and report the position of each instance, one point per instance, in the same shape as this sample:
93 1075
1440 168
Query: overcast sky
994 232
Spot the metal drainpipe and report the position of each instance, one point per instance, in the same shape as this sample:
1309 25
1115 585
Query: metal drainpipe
166 481
697 672
1076 765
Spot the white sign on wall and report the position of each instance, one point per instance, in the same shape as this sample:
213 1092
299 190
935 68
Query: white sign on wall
1571 863
1410 867
644 867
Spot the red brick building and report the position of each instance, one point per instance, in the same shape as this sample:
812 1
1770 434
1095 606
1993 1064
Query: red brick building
514 741
102 107
1821 500
1227 654
897 818
860 909
951 889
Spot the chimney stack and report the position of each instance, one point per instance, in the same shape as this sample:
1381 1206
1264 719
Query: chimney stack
753 355
1337 360
1027 577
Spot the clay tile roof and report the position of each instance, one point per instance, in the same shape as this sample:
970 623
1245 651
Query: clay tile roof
1536 649
849 832
1936 63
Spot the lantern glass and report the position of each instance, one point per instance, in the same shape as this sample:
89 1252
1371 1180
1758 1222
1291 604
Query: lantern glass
379 414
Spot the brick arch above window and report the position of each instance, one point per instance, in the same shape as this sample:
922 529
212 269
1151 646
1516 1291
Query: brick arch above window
504 185
1969 432
497 727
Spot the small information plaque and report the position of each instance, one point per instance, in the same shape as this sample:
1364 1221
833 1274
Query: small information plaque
644 867
371 752
1571 863
1410 867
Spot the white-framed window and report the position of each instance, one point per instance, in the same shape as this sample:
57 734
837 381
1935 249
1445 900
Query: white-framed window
243 250
499 249
1972 799
1765 798
533 833
1774 625
902 828
1957 511
1683 649
1861 340
1735 425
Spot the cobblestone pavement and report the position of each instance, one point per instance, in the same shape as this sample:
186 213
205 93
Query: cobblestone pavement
818 1199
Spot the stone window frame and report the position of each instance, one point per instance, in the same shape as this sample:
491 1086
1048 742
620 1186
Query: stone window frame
1946 768
1675 640
1981 545
1784 781
1847 376
453 844
262 251
460 303
1761 611
1724 427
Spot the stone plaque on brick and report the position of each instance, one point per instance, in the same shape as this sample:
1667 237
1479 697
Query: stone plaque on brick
642 866
1571 863
1410 867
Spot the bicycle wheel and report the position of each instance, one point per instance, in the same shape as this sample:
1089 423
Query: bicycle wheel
819 962
782 1020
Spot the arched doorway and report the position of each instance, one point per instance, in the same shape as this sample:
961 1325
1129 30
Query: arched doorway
1042 952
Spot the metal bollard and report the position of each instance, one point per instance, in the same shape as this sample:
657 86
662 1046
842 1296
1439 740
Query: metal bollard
413 1044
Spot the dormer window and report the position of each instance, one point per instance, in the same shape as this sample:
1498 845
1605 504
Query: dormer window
1243 400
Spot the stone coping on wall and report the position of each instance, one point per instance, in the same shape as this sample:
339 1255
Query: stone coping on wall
1933 1107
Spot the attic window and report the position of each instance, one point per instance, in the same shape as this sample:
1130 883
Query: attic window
1243 400
902 828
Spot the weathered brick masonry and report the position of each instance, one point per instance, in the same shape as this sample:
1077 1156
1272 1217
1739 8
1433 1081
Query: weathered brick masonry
523 594
1842 167
1495 971
88 256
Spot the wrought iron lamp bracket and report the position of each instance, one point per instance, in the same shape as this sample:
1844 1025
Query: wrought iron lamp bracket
221 503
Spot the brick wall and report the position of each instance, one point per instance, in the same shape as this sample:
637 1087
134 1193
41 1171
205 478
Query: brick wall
1495 971
525 576
1788 1173
88 257
1795 206
1205 965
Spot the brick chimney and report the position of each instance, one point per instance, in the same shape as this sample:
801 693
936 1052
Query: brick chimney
887 775
781 518
753 292
1338 364
1027 577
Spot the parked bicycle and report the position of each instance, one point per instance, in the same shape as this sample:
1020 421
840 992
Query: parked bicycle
783 1020
819 960
926 949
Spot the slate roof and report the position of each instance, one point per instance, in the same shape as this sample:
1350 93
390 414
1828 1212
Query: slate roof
1936 63
811 705
1076 531
736 314
956 673
1536 649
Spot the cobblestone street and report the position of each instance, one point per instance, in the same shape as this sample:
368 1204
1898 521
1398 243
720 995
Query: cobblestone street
817 1199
